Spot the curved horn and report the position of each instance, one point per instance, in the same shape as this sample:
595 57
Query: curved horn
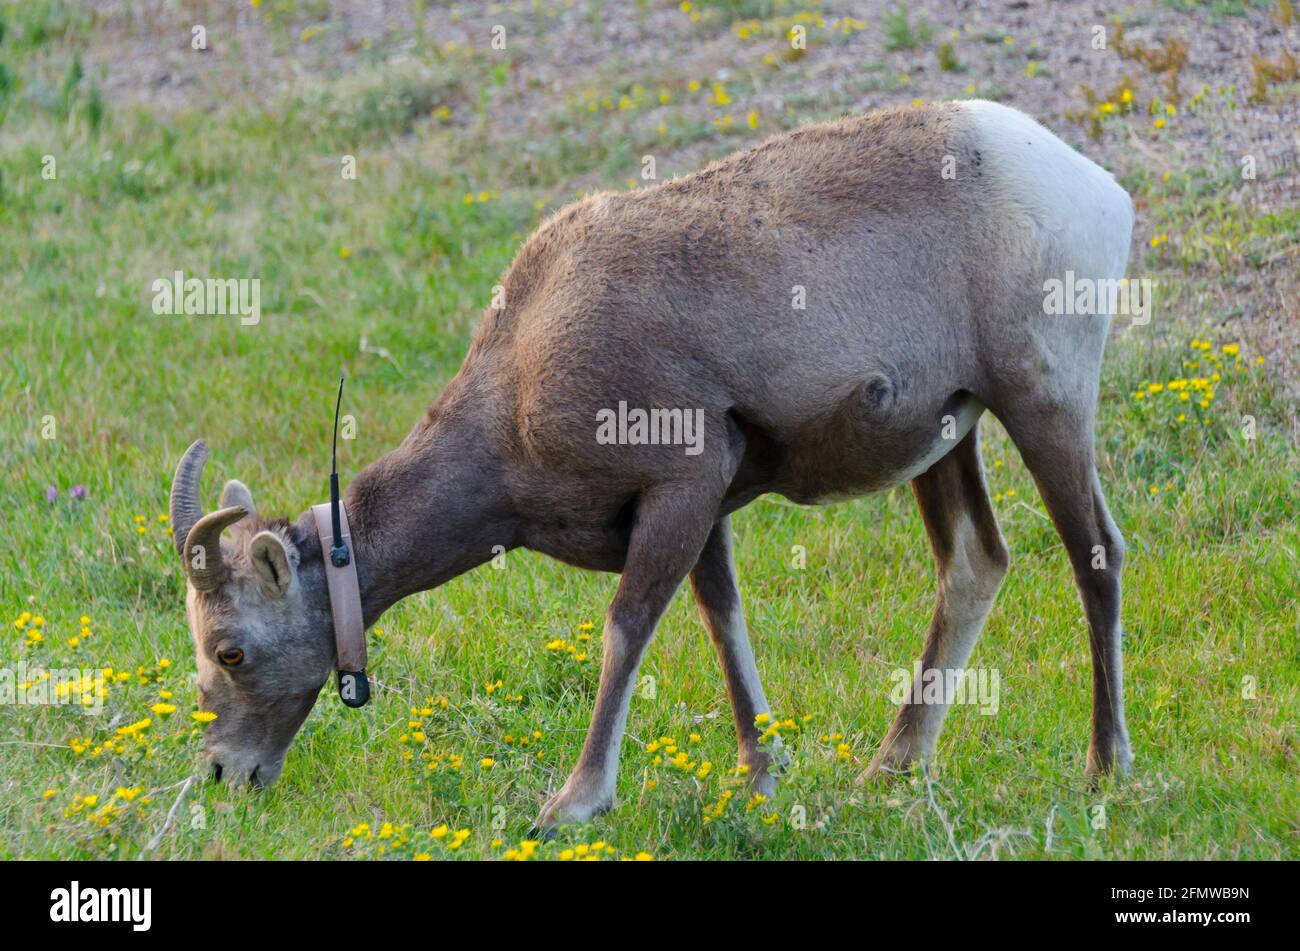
202 554
186 509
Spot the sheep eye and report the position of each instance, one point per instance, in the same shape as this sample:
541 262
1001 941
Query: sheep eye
231 657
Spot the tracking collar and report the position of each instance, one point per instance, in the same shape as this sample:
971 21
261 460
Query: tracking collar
344 587
345 607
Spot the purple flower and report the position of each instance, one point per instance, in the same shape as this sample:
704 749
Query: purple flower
51 494
78 491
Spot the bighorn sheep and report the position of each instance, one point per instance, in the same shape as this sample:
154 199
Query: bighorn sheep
918 242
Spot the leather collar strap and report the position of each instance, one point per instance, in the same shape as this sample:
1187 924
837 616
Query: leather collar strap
345 608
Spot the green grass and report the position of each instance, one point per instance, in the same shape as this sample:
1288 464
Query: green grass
900 34
400 258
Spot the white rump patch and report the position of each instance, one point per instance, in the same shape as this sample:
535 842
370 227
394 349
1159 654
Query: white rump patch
1071 198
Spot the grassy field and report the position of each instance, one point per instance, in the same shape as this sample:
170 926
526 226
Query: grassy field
479 712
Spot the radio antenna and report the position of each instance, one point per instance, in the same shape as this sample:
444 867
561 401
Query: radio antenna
339 554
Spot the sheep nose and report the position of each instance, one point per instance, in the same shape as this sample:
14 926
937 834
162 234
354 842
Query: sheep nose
216 772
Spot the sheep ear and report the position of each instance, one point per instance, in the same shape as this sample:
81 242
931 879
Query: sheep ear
236 493
274 562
